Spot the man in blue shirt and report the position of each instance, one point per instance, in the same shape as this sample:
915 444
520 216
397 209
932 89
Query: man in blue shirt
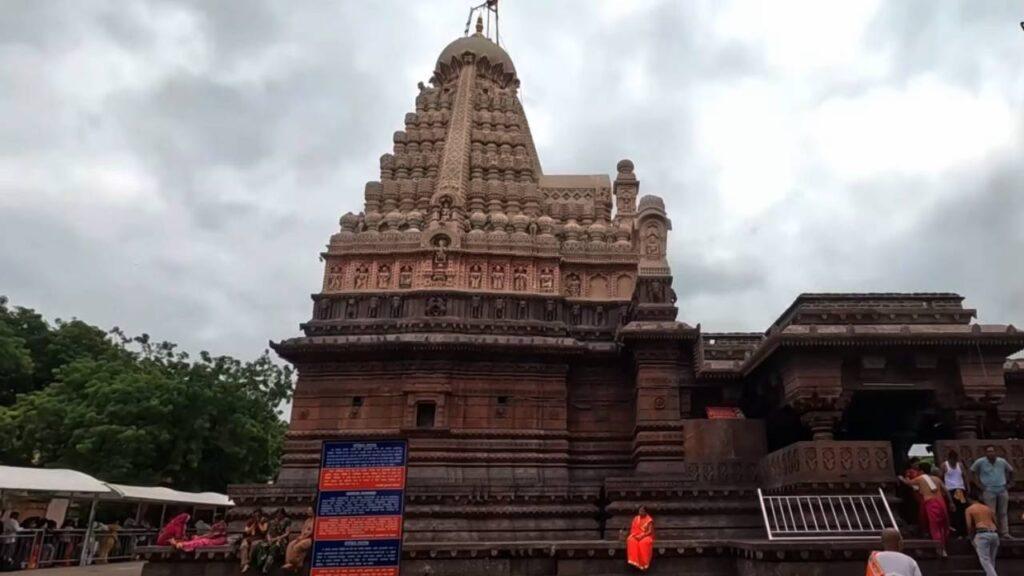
994 475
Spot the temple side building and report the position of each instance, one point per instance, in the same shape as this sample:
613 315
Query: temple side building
519 328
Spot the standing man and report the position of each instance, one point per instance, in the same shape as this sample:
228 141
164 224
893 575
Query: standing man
937 504
954 476
892 560
981 529
994 475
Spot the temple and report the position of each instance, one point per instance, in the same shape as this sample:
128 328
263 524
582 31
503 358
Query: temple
520 329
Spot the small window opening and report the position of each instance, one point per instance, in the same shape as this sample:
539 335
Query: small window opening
357 401
425 413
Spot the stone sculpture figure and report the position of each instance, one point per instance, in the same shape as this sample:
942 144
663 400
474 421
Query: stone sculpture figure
572 285
405 277
547 280
549 310
374 307
436 306
474 307
361 275
396 306
519 279
350 308
499 309
440 253
383 276
498 278
476 275
445 209
521 310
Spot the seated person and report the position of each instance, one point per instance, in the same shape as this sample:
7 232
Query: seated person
268 552
216 536
173 531
295 554
255 531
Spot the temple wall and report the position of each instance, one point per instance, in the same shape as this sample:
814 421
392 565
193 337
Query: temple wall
724 439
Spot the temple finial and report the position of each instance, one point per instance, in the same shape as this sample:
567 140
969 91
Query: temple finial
479 24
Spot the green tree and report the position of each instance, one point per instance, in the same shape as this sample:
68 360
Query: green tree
134 411
16 366
24 331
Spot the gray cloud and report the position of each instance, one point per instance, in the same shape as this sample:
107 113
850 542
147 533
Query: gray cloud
175 167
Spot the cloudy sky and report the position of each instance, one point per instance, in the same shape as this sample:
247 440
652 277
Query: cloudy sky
175 167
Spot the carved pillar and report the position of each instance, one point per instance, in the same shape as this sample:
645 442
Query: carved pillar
813 387
658 438
968 423
822 423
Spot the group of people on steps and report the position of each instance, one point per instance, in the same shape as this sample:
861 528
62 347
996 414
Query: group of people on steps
947 505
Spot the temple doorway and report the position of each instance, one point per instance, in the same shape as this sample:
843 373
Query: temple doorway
903 417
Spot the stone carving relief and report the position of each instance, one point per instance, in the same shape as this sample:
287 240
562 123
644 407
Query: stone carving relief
474 307
362 273
383 276
521 310
436 306
334 277
572 285
498 278
476 275
396 306
550 310
405 277
374 307
547 280
441 253
653 241
519 279
443 212
499 309
350 308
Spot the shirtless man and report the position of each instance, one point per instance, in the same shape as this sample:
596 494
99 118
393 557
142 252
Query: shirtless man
981 529
937 504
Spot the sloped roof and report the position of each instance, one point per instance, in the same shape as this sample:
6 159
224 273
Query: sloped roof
69 482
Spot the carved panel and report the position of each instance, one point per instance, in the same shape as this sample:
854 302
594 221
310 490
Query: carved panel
828 463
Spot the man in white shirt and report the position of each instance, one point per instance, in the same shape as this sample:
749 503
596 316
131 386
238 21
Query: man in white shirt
892 561
8 538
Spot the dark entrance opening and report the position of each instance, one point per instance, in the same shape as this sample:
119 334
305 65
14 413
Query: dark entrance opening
903 417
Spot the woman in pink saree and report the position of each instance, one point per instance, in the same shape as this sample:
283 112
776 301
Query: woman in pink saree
217 536
173 531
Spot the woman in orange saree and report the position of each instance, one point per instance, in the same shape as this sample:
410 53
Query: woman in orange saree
640 542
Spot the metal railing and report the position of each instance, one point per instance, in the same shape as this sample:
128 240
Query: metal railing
826 517
42 548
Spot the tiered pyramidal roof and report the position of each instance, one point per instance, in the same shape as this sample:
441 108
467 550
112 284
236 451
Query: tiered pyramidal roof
463 204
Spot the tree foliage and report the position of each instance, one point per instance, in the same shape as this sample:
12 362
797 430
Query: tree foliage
134 411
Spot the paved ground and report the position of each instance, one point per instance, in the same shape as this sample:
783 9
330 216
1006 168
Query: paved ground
115 569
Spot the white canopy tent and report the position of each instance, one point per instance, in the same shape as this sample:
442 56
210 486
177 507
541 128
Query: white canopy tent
67 483
71 484
159 494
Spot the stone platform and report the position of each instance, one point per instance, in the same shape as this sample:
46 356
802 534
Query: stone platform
606 558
